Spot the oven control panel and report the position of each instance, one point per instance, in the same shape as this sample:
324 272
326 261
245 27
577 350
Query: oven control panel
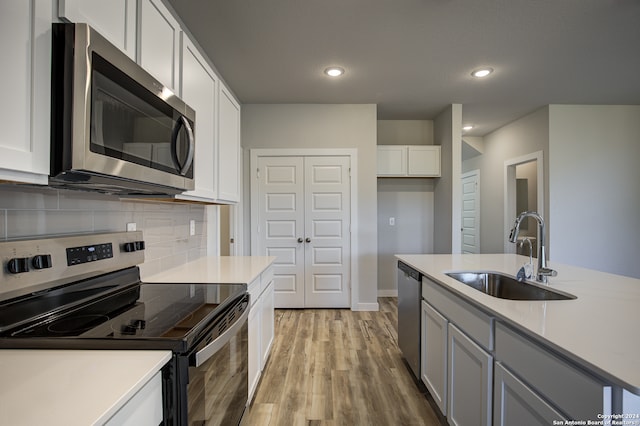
33 265
91 253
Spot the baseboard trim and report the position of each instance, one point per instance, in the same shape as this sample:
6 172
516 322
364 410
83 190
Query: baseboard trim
388 293
366 307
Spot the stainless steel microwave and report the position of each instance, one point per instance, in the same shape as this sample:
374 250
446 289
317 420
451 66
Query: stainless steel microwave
114 127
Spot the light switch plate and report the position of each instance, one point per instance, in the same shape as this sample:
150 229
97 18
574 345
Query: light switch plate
192 227
392 221
131 226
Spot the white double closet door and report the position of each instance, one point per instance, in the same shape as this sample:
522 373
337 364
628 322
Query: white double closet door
303 219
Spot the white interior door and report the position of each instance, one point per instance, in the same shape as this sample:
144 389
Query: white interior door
281 225
327 213
471 212
303 214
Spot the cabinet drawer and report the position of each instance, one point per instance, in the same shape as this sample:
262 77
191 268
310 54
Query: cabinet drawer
573 391
475 323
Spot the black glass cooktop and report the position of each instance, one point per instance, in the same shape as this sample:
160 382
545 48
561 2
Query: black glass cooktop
116 311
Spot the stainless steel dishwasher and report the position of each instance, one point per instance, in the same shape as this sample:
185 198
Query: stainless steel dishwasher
409 295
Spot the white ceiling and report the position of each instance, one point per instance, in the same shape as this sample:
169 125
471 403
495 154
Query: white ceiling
414 57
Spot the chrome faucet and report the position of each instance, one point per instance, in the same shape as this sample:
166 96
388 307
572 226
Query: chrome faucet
543 271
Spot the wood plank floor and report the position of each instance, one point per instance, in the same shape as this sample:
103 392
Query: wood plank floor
338 367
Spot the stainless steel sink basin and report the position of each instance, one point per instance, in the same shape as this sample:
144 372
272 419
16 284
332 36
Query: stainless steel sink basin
506 287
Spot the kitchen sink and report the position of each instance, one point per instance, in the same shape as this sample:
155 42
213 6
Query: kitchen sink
507 287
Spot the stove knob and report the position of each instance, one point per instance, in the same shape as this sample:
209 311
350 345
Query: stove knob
139 245
41 261
128 329
129 247
18 265
139 324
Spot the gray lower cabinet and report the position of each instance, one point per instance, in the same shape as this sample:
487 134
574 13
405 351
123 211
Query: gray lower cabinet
470 381
433 366
516 404
456 359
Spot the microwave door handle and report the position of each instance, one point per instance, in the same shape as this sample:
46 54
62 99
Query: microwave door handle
208 351
182 168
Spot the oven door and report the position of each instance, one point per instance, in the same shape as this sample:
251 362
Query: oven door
218 390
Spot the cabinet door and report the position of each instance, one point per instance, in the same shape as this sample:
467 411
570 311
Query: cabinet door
515 403
254 347
470 380
25 40
198 85
144 408
158 42
267 323
392 160
114 19
433 353
229 147
424 160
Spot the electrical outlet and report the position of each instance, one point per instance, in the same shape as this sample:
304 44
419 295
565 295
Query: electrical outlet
392 221
131 226
192 227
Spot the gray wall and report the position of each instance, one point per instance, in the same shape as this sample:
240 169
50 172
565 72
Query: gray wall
524 136
594 184
32 212
408 200
447 197
325 126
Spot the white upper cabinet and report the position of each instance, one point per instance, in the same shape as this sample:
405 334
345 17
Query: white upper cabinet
25 41
229 147
199 88
159 42
392 160
114 19
408 160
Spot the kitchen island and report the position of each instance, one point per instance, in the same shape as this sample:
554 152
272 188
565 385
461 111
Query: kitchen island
596 332
80 387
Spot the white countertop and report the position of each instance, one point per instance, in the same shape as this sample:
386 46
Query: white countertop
71 387
215 269
598 330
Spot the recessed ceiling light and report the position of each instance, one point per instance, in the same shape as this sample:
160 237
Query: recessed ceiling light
467 128
482 72
334 71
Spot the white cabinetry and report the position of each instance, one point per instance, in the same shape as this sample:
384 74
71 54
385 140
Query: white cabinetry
261 325
229 147
158 42
25 41
408 160
114 19
199 89
144 408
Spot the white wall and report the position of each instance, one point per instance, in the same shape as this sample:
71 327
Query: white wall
408 200
325 126
447 132
524 136
594 187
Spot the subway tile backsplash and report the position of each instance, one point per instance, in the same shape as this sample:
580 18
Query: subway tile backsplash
34 212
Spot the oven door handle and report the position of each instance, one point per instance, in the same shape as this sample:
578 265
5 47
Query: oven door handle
208 351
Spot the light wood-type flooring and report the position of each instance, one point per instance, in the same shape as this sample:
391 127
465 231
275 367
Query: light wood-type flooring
337 367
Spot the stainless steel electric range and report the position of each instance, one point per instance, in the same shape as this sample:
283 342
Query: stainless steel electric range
85 292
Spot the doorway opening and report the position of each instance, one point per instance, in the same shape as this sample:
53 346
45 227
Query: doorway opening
524 191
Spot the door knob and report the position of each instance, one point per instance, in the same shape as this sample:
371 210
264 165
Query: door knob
299 240
308 239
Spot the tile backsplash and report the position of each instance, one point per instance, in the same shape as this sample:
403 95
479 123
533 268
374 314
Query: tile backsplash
33 212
